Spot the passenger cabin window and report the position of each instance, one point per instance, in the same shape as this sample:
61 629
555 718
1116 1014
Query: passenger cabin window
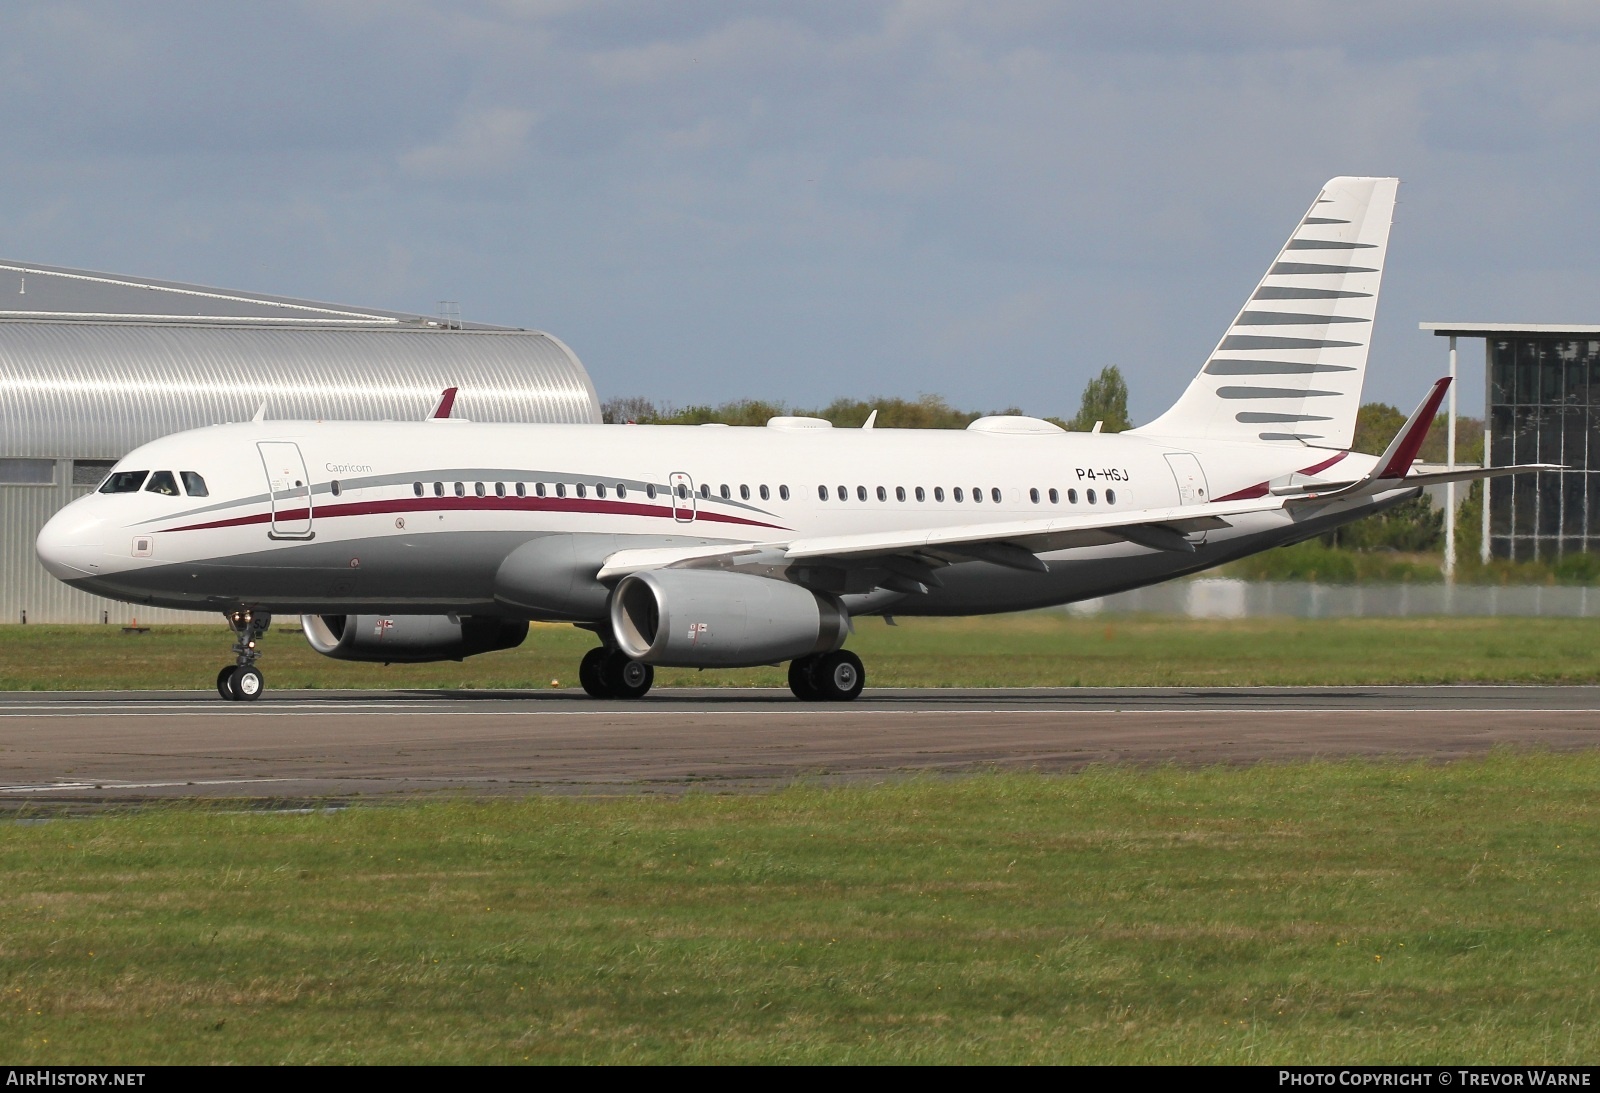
124 482
522 490
726 494
1033 495
1088 495
994 494
844 494
921 495
683 492
600 489
861 493
499 489
538 488
334 488
580 490
705 490
822 493
622 491
883 494
1055 498
416 488
477 488
977 495
461 489
938 493
1111 497
163 483
650 490
744 492
956 493
561 489
783 493
899 493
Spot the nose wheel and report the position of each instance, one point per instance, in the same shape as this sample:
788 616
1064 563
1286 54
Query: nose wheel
242 681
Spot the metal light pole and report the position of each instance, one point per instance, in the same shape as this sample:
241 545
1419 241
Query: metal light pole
1450 464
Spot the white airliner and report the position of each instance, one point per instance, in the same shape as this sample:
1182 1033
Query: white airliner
717 547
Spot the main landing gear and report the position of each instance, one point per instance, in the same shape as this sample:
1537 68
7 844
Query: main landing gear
831 677
242 681
610 673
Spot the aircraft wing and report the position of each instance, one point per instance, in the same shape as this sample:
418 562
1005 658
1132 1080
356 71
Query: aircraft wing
1013 543
1035 536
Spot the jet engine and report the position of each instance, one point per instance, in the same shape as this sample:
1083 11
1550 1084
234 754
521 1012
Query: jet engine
694 618
410 638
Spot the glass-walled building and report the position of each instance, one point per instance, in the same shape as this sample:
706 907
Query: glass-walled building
1542 406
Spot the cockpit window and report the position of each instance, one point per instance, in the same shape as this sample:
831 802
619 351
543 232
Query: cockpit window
124 482
163 483
194 485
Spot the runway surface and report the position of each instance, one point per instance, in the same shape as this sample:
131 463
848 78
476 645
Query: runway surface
90 749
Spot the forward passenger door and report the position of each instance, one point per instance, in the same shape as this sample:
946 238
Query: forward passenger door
289 489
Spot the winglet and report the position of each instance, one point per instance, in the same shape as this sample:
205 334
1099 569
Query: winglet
1402 450
447 400
1395 462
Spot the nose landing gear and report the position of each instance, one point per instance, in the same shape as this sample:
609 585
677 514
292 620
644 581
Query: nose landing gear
242 681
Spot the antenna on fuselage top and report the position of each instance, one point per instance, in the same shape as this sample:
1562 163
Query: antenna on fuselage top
447 401
261 413
872 417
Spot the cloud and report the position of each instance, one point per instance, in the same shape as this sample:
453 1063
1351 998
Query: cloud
482 143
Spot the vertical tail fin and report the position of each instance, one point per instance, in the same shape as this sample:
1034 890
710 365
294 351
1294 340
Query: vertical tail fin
1290 367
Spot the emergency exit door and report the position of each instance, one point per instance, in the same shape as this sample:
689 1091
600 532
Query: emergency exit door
288 488
681 487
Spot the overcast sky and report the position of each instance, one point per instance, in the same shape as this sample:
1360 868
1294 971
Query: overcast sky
796 201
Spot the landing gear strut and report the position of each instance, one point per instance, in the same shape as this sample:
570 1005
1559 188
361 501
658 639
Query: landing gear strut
831 677
242 681
610 673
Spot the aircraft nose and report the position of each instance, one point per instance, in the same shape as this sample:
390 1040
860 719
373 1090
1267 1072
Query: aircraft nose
70 544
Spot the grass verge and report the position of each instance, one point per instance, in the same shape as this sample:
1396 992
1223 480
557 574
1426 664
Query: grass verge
1051 649
1323 912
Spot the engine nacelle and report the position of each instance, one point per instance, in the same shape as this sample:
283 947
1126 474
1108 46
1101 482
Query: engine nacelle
695 618
410 638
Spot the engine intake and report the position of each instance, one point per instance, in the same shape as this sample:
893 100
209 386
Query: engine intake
410 639
692 618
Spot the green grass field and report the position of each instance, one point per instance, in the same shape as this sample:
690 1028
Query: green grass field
1039 649
1349 912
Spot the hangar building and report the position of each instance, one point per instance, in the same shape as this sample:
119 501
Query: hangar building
93 365
1542 405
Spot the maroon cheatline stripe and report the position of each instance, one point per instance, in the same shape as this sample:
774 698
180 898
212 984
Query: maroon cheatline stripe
1317 468
461 504
1261 489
